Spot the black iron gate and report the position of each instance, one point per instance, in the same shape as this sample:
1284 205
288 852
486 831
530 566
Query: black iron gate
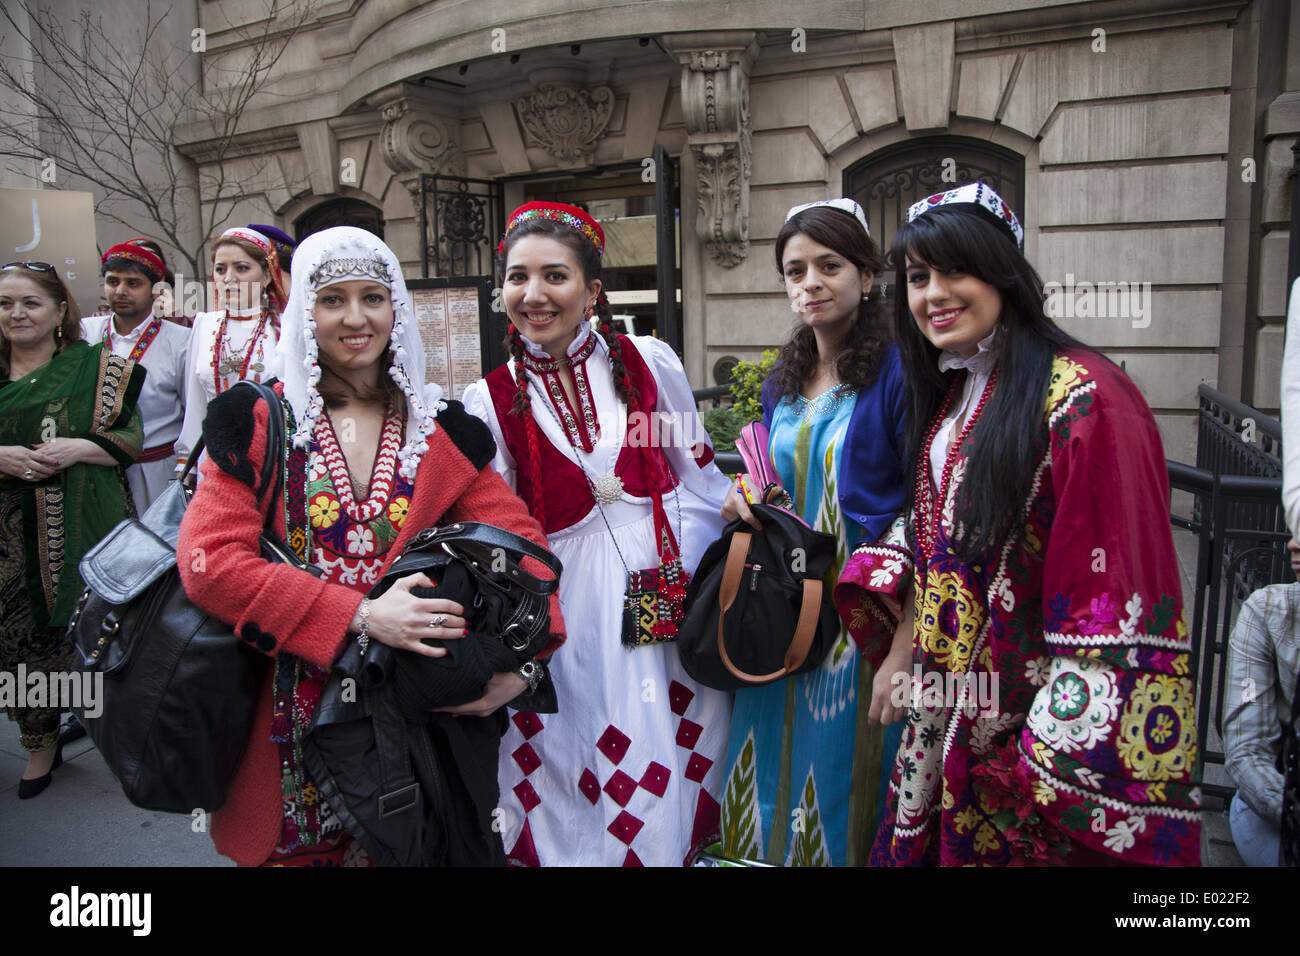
667 276
461 221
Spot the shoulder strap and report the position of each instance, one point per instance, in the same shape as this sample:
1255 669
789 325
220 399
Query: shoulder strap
275 438
482 541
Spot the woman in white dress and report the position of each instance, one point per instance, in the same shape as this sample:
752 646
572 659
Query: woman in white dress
236 342
599 434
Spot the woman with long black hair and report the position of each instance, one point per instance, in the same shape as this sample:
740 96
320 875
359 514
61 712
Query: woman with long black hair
1026 609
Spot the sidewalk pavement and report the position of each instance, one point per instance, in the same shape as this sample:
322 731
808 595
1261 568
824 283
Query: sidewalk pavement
82 818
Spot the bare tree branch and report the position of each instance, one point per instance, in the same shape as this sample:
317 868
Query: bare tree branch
108 116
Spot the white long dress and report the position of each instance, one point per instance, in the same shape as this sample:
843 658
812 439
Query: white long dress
629 771
161 402
200 386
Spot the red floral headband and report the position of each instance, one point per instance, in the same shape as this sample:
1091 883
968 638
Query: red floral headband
141 256
571 216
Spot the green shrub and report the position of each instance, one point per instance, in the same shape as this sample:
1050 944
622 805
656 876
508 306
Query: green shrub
747 386
724 424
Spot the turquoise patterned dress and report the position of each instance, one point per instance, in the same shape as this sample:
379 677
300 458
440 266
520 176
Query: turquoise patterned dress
803 776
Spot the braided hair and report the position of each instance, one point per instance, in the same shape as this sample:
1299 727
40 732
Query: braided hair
588 260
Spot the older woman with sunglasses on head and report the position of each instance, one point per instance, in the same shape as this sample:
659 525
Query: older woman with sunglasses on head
68 425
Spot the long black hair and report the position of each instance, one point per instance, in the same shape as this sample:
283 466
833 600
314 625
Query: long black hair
1007 441
865 341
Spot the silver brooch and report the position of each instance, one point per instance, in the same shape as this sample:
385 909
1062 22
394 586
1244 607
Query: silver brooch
607 489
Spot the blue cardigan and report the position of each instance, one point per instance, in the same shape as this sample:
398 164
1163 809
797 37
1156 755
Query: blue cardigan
872 473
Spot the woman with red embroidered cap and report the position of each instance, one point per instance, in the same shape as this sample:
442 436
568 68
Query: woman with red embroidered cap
1025 611
372 457
236 341
599 434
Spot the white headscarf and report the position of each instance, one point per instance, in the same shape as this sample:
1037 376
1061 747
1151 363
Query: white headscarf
344 254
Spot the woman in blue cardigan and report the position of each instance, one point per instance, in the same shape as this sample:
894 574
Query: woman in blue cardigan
806 772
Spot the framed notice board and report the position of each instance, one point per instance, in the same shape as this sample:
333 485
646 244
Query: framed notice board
463 338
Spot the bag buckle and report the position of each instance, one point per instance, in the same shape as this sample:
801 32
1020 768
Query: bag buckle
398 800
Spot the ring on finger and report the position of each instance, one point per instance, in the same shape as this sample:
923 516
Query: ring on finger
29 474
438 620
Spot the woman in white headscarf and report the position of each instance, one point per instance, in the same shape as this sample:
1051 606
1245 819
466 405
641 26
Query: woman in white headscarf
373 456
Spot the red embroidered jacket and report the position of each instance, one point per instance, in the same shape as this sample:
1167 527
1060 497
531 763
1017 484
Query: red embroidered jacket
279 608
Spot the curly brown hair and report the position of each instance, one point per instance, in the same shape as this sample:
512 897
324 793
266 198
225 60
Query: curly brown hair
858 359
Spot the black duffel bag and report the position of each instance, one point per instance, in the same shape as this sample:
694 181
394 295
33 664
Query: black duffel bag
758 609
179 688
416 788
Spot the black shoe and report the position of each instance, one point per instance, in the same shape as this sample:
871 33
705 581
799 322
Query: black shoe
72 730
30 788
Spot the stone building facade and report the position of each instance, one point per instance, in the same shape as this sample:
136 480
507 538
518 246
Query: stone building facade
1140 143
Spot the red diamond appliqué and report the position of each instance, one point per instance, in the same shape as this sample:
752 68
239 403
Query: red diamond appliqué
528 797
679 698
620 788
655 778
613 743
698 767
589 786
632 859
528 724
688 732
625 827
527 758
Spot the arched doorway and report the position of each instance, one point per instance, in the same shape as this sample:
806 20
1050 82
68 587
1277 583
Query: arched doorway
339 212
891 179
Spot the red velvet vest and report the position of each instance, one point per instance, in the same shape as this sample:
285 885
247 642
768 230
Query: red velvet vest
568 497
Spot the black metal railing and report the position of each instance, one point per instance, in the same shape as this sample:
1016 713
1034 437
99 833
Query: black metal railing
1241 537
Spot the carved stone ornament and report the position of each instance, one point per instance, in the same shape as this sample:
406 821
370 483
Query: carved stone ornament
415 139
567 121
715 106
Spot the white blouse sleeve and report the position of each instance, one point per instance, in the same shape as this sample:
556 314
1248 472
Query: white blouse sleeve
682 434
1291 414
196 399
478 402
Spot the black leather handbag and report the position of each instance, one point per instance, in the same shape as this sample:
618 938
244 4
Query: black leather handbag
178 687
416 788
506 608
758 609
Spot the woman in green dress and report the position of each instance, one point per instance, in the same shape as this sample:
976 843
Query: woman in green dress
68 425
804 781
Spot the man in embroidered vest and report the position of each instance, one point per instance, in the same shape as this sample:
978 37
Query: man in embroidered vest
131 272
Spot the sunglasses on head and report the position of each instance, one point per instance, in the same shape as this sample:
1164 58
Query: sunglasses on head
34 266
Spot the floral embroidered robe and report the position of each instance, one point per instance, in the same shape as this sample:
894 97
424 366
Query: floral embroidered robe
1053 717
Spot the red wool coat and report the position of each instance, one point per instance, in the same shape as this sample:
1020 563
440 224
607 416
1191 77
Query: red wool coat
279 608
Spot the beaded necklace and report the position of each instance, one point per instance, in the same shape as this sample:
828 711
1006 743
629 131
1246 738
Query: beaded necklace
223 363
929 512
548 370
142 344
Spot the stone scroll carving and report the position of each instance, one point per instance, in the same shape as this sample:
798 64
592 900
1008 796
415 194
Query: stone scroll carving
418 135
565 120
715 106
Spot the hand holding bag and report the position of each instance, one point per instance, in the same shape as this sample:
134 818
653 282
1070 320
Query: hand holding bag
179 688
758 609
416 788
